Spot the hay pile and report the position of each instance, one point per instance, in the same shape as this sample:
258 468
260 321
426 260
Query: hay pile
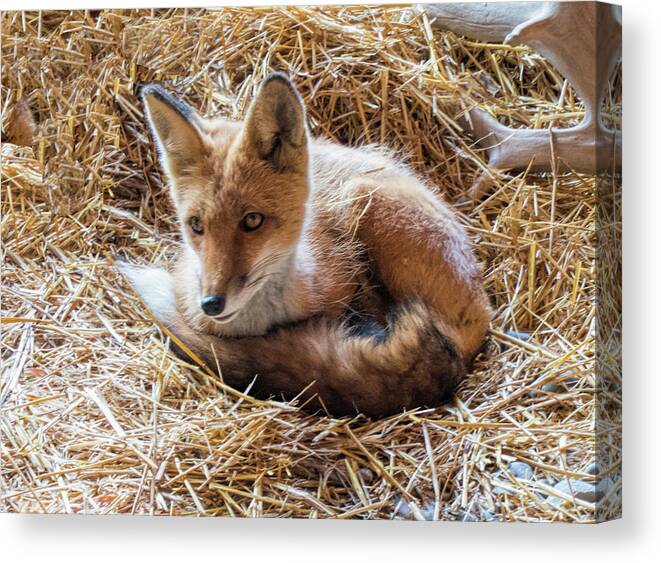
98 417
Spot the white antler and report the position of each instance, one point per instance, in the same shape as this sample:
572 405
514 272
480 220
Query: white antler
583 40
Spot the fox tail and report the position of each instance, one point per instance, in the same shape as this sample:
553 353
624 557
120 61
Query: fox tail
342 368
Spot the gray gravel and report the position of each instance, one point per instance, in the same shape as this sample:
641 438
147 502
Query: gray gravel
520 470
583 490
553 388
593 469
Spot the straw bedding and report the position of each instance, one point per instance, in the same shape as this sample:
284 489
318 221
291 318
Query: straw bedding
97 416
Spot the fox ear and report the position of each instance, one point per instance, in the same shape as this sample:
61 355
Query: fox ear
175 126
275 126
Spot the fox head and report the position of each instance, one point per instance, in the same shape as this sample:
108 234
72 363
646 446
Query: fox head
240 188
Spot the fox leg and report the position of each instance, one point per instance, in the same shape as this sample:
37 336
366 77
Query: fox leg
419 250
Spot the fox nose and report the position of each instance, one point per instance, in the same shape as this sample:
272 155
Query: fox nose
213 305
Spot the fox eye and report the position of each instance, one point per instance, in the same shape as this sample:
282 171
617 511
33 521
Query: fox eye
196 225
251 222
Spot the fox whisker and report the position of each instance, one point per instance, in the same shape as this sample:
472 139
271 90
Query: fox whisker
257 280
259 270
266 261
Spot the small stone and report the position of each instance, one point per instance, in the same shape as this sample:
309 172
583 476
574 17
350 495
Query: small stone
520 470
593 469
525 336
545 390
583 490
505 345
552 388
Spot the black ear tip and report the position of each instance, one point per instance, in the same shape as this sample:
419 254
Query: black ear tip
137 88
142 89
278 77
150 89
278 80
156 91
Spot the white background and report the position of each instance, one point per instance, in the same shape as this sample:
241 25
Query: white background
637 537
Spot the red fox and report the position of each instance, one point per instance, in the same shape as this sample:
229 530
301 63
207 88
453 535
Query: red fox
310 269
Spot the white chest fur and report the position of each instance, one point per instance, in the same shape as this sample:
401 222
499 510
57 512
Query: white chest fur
266 309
